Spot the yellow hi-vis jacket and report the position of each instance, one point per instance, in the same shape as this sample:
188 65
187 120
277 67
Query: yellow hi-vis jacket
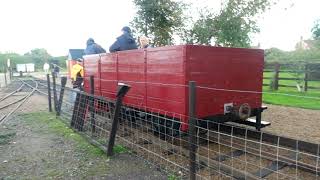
77 70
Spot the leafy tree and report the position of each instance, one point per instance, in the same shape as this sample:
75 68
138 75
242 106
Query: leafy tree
39 56
158 19
316 30
232 26
14 59
36 56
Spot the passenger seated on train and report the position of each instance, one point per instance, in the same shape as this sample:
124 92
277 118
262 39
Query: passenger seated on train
93 48
144 42
124 42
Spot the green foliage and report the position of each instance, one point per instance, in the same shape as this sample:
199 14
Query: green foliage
316 30
231 27
277 55
158 20
39 57
36 56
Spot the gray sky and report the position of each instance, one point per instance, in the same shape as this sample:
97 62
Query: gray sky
58 25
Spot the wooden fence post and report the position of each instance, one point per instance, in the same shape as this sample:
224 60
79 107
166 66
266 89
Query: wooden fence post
275 85
54 91
49 93
122 91
192 130
60 101
5 76
92 108
306 76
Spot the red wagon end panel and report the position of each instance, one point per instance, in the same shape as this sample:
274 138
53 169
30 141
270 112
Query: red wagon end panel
131 70
91 65
109 77
219 71
166 80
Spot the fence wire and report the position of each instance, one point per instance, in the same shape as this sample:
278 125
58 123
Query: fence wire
223 151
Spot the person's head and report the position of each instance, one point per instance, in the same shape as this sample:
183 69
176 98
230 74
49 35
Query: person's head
144 41
79 61
90 41
126 29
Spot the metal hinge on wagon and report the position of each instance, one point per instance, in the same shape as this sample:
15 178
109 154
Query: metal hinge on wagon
243 114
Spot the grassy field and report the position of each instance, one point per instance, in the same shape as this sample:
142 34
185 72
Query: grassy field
290 96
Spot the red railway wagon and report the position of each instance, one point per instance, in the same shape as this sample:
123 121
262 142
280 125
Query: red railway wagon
229 80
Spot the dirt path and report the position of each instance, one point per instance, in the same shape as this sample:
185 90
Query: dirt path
302 124
34 145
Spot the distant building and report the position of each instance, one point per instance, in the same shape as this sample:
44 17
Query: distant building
25 67
306 44
74 54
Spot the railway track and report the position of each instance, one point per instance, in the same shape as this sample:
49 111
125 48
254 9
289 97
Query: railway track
12 101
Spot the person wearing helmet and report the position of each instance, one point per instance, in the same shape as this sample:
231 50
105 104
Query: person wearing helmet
124 42
93 48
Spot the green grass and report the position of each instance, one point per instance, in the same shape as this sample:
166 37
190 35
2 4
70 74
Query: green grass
278 97
172 177
118 149
5 137
57 126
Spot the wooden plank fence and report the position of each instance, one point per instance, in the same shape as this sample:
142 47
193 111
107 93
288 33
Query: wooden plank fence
309 71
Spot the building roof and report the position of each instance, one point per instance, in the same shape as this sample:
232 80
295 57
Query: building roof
75 54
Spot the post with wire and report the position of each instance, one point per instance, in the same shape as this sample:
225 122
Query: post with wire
54 91
122 91
49 93
63 85
192 130
92 108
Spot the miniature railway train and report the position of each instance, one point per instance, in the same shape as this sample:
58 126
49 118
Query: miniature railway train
229 82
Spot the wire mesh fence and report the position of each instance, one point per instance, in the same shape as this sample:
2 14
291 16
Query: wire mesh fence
223 151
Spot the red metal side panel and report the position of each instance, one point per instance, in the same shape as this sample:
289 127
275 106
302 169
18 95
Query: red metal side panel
225 68
91 66
108 74
166 80
131 70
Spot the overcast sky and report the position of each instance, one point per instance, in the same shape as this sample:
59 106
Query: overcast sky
59 25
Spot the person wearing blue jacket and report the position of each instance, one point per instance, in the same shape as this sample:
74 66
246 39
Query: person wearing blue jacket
93 48
124 42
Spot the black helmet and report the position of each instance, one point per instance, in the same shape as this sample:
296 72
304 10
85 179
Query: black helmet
90 41
126 29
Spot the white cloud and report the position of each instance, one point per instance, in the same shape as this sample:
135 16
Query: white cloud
59 25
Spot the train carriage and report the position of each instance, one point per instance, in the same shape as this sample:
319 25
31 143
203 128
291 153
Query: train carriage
229 81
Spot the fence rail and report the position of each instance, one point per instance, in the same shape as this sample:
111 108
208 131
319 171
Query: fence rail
304 72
